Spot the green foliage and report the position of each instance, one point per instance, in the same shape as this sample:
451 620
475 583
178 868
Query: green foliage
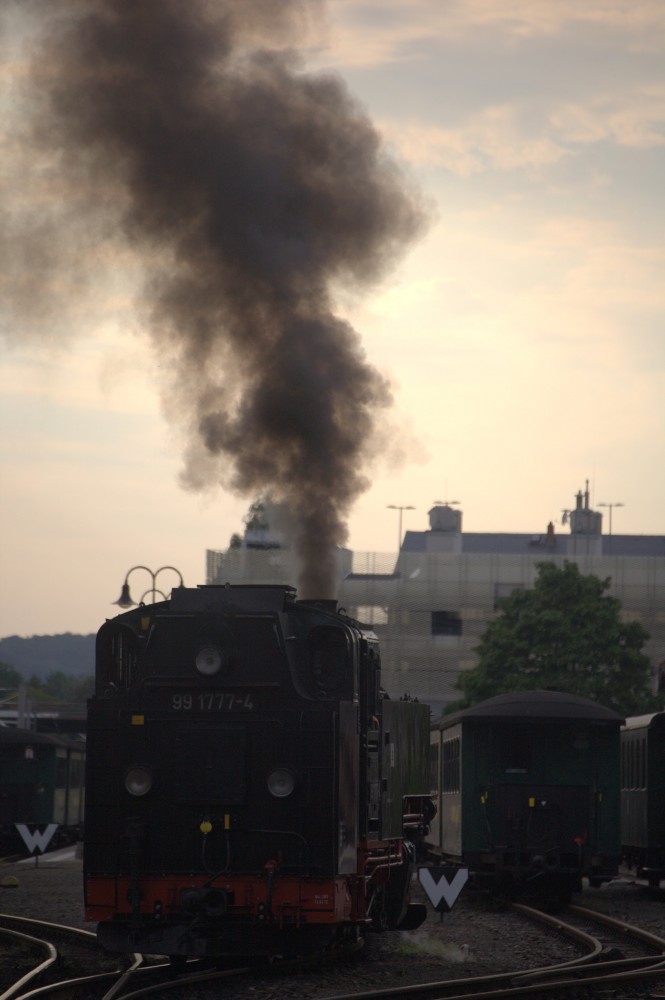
58 686
9 677
566 634
64 687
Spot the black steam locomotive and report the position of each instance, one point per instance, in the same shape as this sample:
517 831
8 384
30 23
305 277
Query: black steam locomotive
250 791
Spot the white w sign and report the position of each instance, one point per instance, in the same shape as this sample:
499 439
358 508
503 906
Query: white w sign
441 892
34 839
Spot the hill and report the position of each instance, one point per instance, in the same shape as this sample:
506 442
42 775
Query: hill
41 655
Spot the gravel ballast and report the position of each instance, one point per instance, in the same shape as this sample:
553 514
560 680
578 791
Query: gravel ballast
477 937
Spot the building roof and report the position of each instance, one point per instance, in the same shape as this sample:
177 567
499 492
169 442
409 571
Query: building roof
518 543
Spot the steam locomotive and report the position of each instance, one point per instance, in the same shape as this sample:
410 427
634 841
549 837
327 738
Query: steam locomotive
250 790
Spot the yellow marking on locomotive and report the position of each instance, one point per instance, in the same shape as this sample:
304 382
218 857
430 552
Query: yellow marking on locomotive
138 720
227 821
532 802
205 827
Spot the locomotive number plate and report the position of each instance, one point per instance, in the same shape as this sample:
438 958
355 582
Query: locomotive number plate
212 701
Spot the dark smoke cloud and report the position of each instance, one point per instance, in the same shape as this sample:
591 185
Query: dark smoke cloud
251 189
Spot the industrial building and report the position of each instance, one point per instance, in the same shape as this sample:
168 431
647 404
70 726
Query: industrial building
431 606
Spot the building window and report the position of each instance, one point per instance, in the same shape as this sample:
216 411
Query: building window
503 590
446 623
371 614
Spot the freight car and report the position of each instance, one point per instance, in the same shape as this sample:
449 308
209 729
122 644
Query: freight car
527 790
643 796
250 791
41 783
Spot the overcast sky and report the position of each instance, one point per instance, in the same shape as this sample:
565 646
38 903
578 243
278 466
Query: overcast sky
523 334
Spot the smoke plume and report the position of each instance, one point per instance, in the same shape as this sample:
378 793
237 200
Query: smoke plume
251 189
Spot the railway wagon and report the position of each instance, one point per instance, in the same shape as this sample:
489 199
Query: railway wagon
250 791
643 795
527 791
41 782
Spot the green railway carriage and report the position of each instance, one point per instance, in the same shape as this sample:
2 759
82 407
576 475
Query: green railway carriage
643 795
41 782
527 791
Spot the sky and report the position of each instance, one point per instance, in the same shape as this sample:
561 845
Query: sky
522 333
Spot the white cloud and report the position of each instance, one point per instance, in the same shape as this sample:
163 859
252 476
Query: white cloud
491 140
634 119
378 31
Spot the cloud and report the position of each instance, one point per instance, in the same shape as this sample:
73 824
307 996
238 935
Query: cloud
635 119
494 139
378 31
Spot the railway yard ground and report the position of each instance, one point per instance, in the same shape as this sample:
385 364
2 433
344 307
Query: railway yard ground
479 937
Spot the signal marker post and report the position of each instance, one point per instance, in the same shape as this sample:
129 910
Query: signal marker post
443 885
36 840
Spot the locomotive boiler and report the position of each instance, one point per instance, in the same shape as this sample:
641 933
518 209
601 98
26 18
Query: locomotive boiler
250 790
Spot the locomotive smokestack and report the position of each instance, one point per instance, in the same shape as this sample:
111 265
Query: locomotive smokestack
249 188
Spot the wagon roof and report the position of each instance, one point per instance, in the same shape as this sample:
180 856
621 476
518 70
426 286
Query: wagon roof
23 737
653 719
552 705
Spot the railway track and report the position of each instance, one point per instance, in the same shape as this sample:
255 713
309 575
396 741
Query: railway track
45 959
598 968
64 961
39 954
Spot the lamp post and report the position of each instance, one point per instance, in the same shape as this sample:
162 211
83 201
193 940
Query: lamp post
125 599
611 505
394 506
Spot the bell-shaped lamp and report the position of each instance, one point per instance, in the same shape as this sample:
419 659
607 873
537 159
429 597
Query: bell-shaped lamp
125 599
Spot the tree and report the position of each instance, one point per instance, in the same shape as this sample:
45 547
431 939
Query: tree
9 677
566 634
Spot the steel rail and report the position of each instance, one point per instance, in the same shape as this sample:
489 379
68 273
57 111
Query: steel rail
43 946
638 933
50 989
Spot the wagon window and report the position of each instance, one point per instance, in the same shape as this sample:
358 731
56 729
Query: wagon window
517 752
60 769
434 768
75 771
451 765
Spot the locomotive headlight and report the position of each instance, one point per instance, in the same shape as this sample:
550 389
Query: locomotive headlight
281 782
208 660
138 780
